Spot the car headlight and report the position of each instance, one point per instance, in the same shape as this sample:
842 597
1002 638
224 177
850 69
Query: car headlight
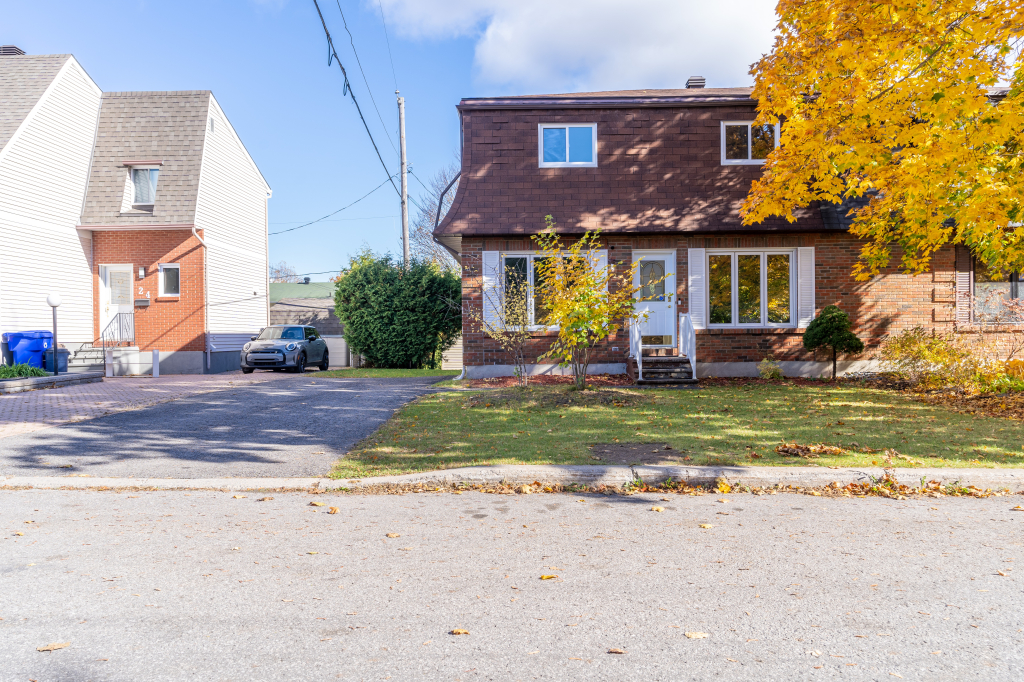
291 346
246 346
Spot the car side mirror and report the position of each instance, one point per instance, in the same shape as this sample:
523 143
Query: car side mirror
252 338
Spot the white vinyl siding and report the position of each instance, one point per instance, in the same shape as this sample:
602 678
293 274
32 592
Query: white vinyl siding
44 169
231 211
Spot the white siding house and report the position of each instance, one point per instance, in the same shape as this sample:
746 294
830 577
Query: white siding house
50 107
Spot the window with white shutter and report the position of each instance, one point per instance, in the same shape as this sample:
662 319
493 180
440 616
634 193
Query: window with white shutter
491 294
805 286
696 287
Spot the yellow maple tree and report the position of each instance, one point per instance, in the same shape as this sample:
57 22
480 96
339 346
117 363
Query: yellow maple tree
912 111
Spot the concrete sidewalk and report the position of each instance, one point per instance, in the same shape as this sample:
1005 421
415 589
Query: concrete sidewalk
804 477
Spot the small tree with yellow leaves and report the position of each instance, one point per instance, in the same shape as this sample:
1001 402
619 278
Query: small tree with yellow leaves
586 302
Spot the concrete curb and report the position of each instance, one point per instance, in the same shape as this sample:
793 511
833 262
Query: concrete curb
1012 479
8 386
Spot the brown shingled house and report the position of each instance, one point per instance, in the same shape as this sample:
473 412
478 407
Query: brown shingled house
662 174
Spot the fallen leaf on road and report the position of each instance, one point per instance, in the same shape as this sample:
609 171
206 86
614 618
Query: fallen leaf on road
696 635
393 535
665 499
235 548
54 646
1017 508
237 497
459 631
287 600
706 525
814 653
316 504
616 651
332 510
1002 574
19 533
312 552
265 499
897 675
658 509
732 659
548 577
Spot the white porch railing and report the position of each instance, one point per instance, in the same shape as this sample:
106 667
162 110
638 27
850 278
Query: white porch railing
688 342
636 347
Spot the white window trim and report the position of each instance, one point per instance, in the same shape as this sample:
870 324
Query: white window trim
160 278
565 164
747 161
734 281
131 184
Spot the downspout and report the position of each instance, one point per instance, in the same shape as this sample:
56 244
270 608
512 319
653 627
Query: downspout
206 301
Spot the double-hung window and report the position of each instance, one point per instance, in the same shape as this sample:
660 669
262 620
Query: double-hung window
520 284
744 143
170 279
751 288
567 144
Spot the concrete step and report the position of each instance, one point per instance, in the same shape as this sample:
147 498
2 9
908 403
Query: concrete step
649 381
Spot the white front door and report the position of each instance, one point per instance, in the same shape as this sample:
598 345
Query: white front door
657 297
117 293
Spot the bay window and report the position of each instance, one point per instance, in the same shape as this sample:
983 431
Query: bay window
750 288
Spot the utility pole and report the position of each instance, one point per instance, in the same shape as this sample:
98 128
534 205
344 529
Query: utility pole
405 183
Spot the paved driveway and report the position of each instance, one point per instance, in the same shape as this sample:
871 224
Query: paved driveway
295 427
203 586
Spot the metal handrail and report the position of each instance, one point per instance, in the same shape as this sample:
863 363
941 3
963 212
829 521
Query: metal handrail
636 347
688 341
119 331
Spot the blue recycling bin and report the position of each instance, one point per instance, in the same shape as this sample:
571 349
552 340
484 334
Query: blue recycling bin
28 347
63 354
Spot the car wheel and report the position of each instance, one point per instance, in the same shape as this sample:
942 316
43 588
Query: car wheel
247 370
300 364
325 363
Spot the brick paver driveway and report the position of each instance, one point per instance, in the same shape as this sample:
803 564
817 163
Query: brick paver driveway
34 410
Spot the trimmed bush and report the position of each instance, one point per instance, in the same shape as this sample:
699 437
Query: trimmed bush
396 318
831 329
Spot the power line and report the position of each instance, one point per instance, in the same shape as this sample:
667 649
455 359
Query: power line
336 220
390 178
388 41
348 89
365 81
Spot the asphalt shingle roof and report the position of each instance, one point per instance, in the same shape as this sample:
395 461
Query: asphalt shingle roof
165 126
23 79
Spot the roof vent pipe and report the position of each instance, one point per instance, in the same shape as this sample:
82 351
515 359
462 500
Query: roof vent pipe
695 82
6 50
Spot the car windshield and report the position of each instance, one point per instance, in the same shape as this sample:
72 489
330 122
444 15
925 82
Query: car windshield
289 333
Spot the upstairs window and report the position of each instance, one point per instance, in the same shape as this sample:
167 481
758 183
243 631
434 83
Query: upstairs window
744 143
144 187
563 145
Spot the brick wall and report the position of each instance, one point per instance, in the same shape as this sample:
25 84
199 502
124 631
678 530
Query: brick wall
886 304
169 323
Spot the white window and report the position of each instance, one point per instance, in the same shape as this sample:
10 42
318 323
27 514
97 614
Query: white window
143 182
524 268
562 145
751 288
744 143
170 279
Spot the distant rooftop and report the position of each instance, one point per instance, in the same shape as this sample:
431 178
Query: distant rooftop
283 290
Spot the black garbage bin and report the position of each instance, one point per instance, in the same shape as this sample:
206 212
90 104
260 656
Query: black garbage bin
62 360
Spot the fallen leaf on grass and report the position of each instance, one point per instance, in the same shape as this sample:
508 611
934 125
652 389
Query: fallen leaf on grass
696 635
316 504
54 646
706 525
548 577
393 535
459 631
616 651
658 509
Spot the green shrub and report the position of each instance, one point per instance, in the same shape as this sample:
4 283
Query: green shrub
396 318
769 369
21 370
831 329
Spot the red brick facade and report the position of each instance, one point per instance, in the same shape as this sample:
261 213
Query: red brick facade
172 323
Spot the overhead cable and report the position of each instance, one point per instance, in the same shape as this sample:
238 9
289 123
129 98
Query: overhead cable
391 179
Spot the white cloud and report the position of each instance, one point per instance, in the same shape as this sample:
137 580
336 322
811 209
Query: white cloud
576 45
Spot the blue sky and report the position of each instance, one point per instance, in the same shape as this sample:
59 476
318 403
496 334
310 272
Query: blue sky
266 62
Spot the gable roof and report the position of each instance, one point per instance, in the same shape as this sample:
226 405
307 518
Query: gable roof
23 80
166 126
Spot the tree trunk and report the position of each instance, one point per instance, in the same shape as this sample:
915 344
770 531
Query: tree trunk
833 364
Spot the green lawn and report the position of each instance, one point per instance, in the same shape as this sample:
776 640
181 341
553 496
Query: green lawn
371 373
728 425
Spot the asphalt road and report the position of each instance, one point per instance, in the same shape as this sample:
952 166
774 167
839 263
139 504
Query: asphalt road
280 428
172 586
